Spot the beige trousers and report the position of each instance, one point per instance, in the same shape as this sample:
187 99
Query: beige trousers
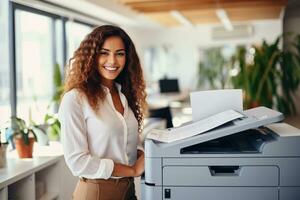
100 189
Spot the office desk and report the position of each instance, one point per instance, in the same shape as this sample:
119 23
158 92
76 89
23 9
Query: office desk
158 100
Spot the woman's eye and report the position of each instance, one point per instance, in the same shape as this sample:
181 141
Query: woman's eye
104 53
120 54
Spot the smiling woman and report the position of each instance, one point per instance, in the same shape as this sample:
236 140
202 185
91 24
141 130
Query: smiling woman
112 59
101 115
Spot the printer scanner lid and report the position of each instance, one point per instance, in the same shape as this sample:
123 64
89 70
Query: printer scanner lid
254 118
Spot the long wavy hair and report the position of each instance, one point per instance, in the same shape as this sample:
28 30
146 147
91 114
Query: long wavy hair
82 72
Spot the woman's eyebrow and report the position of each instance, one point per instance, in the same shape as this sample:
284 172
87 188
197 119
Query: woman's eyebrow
109 50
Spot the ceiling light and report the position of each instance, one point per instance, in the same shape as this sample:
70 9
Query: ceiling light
182 19
222 15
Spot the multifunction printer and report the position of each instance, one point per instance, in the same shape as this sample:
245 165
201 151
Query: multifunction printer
251 158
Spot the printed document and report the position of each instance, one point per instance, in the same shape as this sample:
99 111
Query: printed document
195 128
210 102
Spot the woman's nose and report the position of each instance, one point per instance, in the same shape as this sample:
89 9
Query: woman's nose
111 59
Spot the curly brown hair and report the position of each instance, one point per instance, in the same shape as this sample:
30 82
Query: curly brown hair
82 72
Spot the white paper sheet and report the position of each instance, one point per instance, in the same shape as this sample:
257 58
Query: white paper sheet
195 128
207 103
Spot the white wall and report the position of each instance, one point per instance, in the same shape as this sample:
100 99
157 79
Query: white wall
185 44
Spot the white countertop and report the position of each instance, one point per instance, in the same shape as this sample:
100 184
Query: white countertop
17 169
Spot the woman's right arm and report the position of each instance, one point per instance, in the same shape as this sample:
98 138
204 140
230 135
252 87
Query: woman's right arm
75 144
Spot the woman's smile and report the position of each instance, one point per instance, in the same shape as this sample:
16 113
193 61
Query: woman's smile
110 68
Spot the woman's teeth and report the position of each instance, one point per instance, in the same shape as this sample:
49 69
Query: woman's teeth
111 68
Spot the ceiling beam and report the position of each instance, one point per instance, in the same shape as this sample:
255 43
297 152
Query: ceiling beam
168 5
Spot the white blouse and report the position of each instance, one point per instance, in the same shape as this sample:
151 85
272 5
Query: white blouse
94 141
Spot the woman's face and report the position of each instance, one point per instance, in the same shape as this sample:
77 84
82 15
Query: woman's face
112 58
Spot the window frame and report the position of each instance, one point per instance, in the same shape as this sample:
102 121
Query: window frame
13 6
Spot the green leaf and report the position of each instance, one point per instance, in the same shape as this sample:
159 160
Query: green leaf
273 77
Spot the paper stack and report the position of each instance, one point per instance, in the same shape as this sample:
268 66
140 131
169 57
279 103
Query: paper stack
178 133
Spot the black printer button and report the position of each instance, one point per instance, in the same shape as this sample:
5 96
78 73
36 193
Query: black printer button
167 193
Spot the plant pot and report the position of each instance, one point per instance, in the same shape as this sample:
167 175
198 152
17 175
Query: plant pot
24 151
254 104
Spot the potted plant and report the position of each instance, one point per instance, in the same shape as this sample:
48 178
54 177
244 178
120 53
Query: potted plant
22 135
273 76
58 86
51 120
53 126
214 69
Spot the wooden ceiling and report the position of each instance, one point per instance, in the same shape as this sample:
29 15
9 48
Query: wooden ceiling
204 11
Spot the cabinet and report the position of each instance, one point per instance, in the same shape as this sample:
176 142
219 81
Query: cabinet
36 178
41 178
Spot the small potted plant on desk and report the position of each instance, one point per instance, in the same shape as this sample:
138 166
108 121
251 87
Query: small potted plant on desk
23 137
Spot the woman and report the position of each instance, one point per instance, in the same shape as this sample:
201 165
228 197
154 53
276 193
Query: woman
101 115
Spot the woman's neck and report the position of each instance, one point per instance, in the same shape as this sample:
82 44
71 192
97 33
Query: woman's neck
110 85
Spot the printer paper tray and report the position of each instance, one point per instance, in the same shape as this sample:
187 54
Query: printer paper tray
221 175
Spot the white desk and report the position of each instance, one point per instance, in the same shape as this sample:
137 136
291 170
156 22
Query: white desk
43 177
158 100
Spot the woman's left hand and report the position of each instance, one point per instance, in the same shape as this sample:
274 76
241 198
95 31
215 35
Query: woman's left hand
139 166
139 153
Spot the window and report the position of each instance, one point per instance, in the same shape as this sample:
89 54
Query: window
39 41
4 65
34 64
75 34
59 50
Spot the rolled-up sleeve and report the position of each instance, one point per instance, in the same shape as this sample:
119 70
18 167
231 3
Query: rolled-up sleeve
75 143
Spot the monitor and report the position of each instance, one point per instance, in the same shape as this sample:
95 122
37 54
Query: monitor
168 85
